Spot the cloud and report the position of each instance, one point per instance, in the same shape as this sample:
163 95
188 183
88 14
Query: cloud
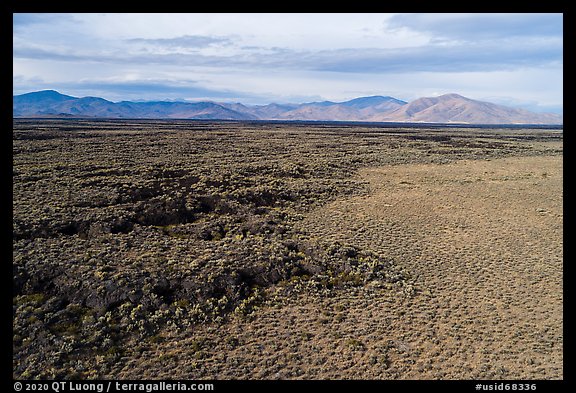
28 19
439 58
117 90
32 52
459 43
482 56
480 26
286 55
186 41
157 88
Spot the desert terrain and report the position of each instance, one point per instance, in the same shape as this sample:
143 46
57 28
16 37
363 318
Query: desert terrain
252 250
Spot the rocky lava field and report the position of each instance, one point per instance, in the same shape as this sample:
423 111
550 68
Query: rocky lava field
254 250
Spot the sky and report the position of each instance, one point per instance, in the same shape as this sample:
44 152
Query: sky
508 59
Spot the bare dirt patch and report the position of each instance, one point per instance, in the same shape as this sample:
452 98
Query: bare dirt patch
484 239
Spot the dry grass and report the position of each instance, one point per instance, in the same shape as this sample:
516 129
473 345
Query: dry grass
273 251
484 239
487 255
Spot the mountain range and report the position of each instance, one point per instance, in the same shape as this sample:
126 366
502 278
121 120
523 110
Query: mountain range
448 108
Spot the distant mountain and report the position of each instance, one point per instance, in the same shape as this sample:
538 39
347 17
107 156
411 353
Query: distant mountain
269 111
358 109
51 103
374 101
38 102
43 97
449 108
453 108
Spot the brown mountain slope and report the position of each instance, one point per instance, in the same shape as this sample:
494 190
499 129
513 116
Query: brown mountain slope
453 108
358 109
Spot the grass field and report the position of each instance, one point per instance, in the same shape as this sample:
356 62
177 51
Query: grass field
199 250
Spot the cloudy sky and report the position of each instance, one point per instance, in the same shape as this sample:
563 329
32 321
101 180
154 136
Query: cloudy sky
511 59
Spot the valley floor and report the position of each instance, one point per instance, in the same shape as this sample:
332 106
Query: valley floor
483 240
199 250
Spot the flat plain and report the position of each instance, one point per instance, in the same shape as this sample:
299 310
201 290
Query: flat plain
254 250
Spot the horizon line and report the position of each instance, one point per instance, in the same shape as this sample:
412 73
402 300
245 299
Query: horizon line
200 100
